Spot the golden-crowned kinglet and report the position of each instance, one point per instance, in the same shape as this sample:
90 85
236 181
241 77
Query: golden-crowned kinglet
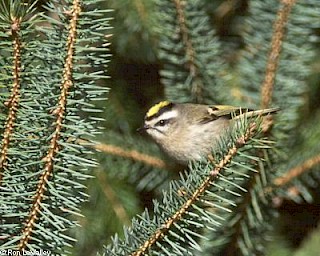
188 131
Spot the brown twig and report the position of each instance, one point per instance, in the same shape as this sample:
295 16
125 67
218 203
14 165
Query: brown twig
273 59
196 194
113 199
54 146
130 154
225 8
141 10
197 85
13 102
297 171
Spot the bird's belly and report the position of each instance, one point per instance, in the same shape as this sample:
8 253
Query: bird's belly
198 145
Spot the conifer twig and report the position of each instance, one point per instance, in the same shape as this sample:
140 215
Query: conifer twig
13 101
273 59
130 154
139 5
158 234
297 171
113 199
293 173
54 147
197 85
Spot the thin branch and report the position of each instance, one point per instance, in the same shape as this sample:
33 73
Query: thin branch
225 8
273 59
297 171
241 141
197 85
54 146
13 102
130 154
293 173
111 196
141 10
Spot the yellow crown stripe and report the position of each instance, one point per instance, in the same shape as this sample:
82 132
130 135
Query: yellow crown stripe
155 109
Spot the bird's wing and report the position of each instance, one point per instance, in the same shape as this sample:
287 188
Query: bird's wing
231 112
217 111
227 111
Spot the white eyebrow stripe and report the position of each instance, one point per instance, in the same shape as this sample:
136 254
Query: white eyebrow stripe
165 116
168 115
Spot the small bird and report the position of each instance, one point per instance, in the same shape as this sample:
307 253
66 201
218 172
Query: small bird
187 131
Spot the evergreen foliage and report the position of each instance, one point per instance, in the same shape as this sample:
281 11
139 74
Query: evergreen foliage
190 53
235 214
204 197
49 71
52 94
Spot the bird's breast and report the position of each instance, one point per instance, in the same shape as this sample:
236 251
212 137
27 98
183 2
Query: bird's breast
195 141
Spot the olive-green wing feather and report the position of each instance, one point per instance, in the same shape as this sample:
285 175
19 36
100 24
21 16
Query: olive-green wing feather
217 111
231 112
227 111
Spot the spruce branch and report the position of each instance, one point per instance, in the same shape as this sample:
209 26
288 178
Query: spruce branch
109 193
187 48
238 239
170 222
54 145
245 227
289 176
130 154
297 171
197 85
276 45
242 213
13 102
57 73
141 10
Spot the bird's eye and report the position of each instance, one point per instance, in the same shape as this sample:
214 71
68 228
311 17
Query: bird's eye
162 122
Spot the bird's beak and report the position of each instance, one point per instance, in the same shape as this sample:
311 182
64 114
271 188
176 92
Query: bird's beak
144 128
